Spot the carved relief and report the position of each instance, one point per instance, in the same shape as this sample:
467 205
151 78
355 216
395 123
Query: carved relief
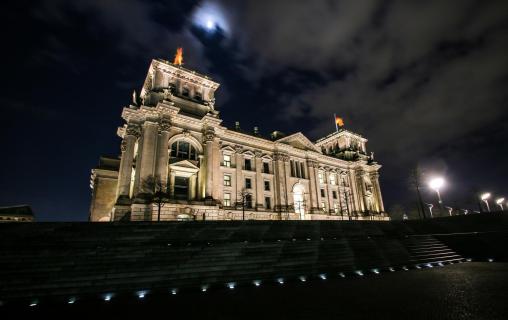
164 125
133 130
209 134
123 145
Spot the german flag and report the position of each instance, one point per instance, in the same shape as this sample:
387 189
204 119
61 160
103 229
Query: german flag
339 121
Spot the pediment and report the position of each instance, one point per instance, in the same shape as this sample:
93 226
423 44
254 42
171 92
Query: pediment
184 164
299 141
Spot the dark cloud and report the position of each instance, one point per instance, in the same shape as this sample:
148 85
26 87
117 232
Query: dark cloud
424 81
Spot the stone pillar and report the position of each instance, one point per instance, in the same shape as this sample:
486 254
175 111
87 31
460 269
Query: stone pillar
239 182
148 151
192 187
353 187
311 164
289 187
162 160
260 181
329 191
172 175
318 187
209 135
377 188
280 181
125 171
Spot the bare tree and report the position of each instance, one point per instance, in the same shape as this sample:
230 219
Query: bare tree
244 200
415 180
153 189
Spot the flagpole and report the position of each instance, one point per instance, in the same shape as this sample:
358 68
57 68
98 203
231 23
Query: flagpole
335 120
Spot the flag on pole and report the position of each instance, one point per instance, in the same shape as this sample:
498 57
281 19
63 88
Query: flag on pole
339 122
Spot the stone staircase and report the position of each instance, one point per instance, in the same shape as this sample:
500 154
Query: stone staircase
63 259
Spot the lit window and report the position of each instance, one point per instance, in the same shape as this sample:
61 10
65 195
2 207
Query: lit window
321 178
336 207
267 185
227 200
323 206
227 160
227 180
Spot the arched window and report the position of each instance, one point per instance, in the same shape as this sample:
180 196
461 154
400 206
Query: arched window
183 150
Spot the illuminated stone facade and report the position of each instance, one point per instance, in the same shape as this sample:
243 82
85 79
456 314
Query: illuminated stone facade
175 146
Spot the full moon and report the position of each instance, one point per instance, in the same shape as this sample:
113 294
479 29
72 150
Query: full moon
210 16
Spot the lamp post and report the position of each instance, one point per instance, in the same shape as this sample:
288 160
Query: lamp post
430 205
499 202
485 198
436 184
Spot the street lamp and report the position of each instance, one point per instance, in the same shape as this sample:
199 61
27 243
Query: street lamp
430 205
436 184
485 198
500 203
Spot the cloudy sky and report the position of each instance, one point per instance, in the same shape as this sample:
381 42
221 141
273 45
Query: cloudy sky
424 81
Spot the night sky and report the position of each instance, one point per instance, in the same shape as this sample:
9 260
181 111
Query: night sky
424 81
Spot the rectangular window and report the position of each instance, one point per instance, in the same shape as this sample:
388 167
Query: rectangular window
334 194
266 167
227 160
336 207
248 201
247 163
268 204
298 169
248 183
292 168
227 200
303 170
267 185
323 193
323 206
333 179
227 180
321 178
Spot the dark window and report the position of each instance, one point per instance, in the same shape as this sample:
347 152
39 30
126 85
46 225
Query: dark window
303 170
268 204
248 183
298 172
322 192
181 187
266 167
248 201
334 193
247 164
185 92
292 168
267 185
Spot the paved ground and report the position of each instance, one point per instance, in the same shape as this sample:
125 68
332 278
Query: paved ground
461 291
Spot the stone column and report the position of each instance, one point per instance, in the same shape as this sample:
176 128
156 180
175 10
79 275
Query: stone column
329 191
172 175
377 188
209 135
162 160
311 164
353 187
148 152
239 181
192 187
318 187
289 189
260 181
280 181
125 171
